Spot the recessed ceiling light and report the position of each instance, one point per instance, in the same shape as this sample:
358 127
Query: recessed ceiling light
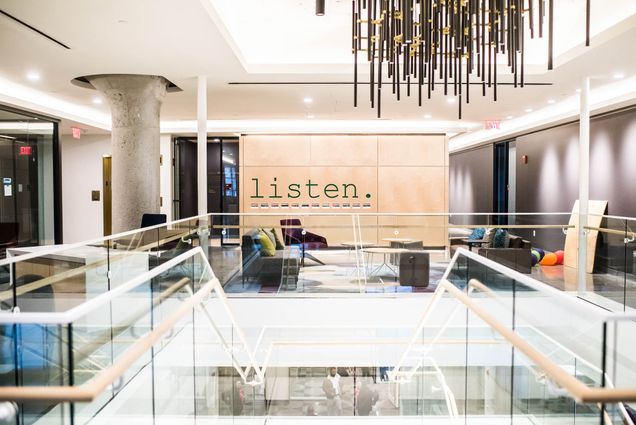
427 116
97 100
311 117
509 117
33 76
618 76
308 100
216 140
529 110
451 100
551 101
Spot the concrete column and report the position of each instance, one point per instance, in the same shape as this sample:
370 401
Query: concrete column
135 104
584 184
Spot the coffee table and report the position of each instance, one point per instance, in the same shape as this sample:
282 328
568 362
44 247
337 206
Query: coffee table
386 262
473 242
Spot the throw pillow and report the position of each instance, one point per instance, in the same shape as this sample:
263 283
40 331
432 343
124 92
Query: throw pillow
270 235
477 234
499 239
279 244
267 247
516 242
489 236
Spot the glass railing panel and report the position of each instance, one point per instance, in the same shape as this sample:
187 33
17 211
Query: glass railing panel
133 404
35 355
57 281
606 286
620 364
103 336
630 268
537 397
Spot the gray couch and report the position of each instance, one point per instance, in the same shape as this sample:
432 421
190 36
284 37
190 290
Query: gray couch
517 255
267 271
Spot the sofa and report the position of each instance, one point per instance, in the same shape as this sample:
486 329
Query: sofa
516 254
267 271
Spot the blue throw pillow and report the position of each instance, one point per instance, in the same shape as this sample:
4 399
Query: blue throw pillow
477 234
499 241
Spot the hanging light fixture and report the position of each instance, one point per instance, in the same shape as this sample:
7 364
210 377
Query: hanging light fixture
320 7
424 43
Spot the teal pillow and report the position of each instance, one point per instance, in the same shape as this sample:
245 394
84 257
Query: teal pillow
477 234
499 240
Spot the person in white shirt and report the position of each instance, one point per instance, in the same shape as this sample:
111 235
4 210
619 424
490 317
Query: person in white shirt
331 388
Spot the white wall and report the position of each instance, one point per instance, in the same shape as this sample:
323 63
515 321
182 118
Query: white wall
81 173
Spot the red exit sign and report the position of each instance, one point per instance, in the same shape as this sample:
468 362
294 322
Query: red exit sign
77 132
25 151
492 124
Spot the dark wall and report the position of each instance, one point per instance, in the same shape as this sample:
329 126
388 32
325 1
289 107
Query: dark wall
549 181
612 162
471 183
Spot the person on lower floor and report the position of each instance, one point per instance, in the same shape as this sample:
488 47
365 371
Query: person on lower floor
331 388
367 397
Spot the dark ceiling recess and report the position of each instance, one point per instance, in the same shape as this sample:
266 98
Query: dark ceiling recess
422 42
24 24
83 82
320 7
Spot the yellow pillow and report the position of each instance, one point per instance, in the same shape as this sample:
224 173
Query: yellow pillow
268 249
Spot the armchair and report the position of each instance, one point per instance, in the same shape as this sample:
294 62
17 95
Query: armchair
294 236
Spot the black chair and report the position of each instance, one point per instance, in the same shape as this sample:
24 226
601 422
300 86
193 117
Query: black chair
149 220
9 233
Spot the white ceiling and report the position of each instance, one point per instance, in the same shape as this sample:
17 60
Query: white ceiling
267 40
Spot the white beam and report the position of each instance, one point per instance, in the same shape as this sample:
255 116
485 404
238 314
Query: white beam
202 160
584 182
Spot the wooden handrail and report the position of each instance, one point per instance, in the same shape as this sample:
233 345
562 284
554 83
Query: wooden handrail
512 226
611 231
577 390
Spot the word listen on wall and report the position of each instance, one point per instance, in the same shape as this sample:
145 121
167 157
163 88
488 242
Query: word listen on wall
309 189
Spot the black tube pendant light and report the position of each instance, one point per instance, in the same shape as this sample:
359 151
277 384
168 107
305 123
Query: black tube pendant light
450 38
320 7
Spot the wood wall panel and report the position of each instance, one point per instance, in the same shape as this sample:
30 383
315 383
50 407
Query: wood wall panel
356 150
365 180
432 231
276 150
411 189
402 174
412 151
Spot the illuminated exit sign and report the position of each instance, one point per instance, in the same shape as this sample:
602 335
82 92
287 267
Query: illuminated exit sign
77 132
492 124
24 151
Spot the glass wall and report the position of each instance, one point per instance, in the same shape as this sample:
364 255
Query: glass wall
28 146
223 183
